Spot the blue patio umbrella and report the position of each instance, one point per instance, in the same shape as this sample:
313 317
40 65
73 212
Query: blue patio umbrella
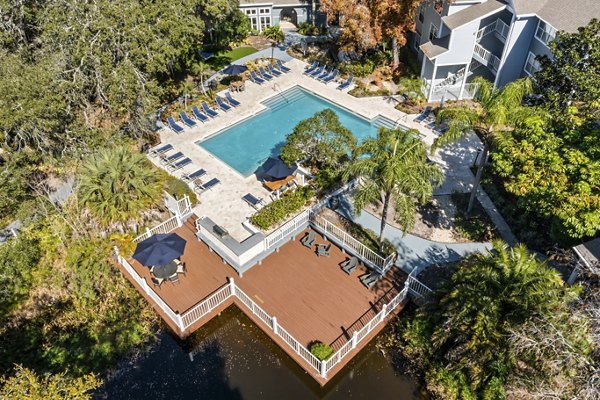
159 249
205 54
235 69
277 169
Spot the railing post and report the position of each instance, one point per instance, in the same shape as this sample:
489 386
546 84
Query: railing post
148 232
274 319
180 322
232 286
354 339
383 311
323 369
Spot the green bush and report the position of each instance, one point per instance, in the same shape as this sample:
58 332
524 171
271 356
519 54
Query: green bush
278 210
18 259
177 188
308 29
321 350
366 65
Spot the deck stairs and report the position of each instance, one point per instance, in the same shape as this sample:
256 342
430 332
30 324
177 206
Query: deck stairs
381 121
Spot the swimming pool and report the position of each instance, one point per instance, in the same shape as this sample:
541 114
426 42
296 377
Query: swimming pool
246 145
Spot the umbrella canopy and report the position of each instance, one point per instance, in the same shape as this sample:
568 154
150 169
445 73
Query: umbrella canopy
159 249
235 69
277 169
205 54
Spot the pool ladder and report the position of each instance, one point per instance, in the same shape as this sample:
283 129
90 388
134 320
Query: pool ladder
277 88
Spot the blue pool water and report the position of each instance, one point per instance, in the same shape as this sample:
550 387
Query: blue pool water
246 145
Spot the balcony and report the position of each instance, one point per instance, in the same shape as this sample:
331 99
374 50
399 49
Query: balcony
486 58
498 28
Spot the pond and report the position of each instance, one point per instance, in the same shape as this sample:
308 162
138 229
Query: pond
233 359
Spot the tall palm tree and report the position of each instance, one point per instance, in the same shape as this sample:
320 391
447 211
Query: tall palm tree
496 111
116 184
393 168
275 34
466 329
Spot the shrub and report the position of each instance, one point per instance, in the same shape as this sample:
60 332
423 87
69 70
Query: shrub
178 188
278 210
308 29
321 350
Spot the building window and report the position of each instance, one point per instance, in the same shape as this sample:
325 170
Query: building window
417 40
439 6
545 32
251 11
532 65
254 23
433 32
265 22
264 11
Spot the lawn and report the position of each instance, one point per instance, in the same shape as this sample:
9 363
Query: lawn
223 58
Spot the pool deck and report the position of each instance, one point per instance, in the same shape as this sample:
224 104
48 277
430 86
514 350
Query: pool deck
312 298
224 203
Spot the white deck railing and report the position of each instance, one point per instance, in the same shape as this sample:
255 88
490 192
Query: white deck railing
206 306
287 229
486 57
360 335
347 241
165 227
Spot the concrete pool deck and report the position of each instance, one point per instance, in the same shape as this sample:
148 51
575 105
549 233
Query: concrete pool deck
224 203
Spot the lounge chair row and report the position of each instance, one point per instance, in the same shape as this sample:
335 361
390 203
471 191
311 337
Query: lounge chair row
225 104
263 75
177 161
326 75
348 266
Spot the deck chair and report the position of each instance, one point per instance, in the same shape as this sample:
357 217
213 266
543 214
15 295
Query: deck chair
181 269
323 249
174 125
256 79
265 74
369 280
187 120
194 175
331 77
179 164
421 117
310 69
254 202
349 265
348 82
325 74
222 105
274 71
161 150
157 281
282 67
318 71
172 158
174 279
208 110
208 185
231 100
201 117
309 239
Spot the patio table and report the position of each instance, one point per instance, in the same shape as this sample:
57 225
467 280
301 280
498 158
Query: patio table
165 271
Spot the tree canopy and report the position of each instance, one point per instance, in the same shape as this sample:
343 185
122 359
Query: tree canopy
320 140
393 169
470 339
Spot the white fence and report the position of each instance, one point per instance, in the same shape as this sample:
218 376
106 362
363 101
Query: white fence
206 306
287 229
182 209
169 225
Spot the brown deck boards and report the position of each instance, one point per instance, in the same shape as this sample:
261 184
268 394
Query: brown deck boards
312 298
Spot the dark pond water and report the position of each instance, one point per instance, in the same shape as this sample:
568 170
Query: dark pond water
235 360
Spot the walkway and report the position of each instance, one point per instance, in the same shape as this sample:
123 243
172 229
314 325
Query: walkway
413 251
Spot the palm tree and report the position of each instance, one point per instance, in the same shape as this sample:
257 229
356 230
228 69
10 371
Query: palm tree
275 34
466 329
496 111
200 69
117 184
393 168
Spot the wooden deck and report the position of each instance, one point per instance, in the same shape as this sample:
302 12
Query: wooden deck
312 298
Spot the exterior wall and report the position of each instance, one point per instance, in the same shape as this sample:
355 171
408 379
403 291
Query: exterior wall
462 42
301 11
518 43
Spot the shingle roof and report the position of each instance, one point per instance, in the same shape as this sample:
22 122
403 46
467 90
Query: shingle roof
473 13
561 14
435 47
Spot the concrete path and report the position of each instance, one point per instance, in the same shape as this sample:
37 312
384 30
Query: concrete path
413 251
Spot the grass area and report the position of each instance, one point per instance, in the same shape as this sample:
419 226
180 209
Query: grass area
226 57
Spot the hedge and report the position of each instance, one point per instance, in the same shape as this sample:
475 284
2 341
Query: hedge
278 210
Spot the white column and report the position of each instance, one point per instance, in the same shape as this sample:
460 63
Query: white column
383 311
354 339
464 81
180 322
232 285
274 319
323 372
431 86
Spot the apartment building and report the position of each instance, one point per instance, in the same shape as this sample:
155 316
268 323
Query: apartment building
499 40
263 14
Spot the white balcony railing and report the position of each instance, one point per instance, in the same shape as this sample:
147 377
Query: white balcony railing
486 57
498 27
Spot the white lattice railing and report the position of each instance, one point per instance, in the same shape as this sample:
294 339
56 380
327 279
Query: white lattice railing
287 229
416 287
487 57
165 227
347 241
206 306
